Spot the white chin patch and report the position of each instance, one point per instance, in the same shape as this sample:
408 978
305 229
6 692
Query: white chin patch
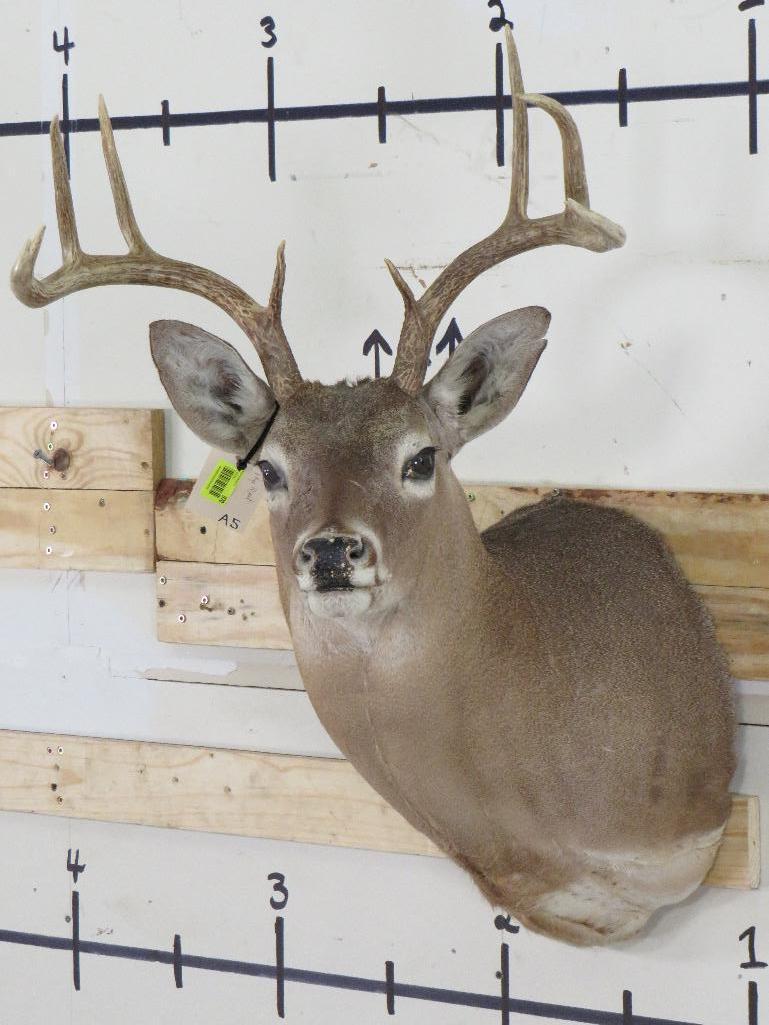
335 604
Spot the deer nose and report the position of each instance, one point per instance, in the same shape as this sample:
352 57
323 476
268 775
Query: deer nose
332 558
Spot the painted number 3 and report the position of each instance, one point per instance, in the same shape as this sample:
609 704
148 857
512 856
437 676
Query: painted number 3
279 898
268 24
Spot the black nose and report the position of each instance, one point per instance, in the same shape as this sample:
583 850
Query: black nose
331 558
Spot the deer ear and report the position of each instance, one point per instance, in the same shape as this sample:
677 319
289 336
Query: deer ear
210 386
479 385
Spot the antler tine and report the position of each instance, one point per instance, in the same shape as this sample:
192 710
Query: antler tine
65 211
141 265
575 225
123 208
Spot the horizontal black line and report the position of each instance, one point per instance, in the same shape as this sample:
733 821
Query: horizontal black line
434 105
460 998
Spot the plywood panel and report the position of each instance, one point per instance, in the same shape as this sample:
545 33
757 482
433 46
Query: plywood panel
184 536
202 603
116 449
283 797
243 609
741 616
90 530
719 538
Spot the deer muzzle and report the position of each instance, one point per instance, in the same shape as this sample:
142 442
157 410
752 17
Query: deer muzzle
333 561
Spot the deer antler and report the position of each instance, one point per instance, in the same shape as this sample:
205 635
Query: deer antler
141 265
576 225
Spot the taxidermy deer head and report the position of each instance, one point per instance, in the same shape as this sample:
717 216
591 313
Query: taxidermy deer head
545 700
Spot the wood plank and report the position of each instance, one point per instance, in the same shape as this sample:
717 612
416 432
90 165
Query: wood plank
203 603
185 536
280 797
92 530
719 539
115 449
741 614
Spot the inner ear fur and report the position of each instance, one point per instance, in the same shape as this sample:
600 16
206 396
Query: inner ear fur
484 379
210 385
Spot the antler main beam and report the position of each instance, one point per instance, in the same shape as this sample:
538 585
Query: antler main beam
141 265
575 225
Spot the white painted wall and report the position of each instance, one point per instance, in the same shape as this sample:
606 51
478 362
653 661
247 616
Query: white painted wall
655 376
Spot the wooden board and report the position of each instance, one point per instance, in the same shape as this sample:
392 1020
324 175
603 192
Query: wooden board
184 536
719 539
281 797
92 530
741 614
202 603
115 449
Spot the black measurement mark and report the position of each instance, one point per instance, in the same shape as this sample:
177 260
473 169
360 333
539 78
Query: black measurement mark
390 986
65 122
752 90
271 118
280 968
750 935
752 1003
377 342
499 21
178 961
65 46
74 866
381 113
622 97
747 4
452 336
627 1007
329 980
499 104
76 939
504 976
165 122
268 24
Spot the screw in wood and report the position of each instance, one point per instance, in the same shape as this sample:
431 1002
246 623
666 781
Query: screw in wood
163 580
46 506
54 425
182 618
102 502
52 529
49 550
204 599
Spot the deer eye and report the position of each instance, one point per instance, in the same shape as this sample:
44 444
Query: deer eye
272 478
421 466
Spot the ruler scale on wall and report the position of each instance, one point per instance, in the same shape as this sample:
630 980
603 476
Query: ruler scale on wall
620 96
386 986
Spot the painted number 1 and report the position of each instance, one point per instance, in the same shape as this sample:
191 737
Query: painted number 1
750 936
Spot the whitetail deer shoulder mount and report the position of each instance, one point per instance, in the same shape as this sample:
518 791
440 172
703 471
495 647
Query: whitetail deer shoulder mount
545 700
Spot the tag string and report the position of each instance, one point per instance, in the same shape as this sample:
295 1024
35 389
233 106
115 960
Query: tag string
243 463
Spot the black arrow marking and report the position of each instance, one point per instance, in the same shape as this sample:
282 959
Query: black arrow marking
378 342
502 922
451 338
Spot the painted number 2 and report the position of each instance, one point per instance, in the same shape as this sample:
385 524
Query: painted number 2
279 898
268 24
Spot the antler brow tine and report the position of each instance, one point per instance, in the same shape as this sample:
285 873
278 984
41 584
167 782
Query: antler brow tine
575 225
141 265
